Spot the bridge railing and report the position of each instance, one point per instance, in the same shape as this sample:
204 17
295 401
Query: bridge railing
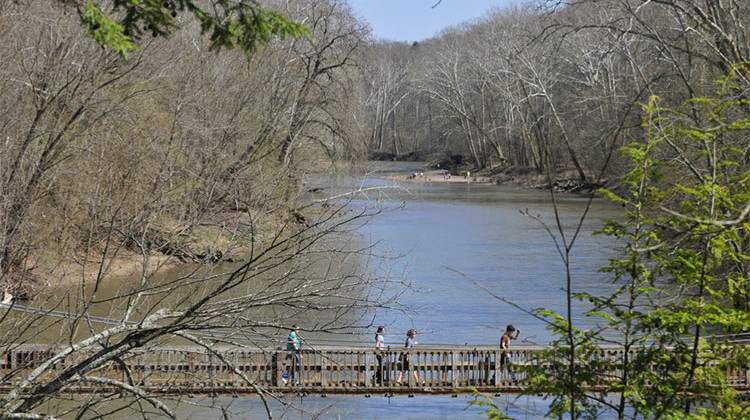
192 369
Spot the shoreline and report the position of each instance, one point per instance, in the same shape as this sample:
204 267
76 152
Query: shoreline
437 176
567 180
128 263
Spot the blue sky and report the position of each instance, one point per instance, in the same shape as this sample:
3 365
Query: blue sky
415 20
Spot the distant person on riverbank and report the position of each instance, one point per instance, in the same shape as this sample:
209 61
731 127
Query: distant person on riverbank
379 349
406 357
505 345
293 347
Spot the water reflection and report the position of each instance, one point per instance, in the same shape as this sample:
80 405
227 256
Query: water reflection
477 229
442 229
339 407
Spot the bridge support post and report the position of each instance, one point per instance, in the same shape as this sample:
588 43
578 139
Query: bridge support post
212 370
496 375
323 369
454 370
275 371
409 375
368 380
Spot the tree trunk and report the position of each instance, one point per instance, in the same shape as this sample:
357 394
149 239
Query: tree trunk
394 134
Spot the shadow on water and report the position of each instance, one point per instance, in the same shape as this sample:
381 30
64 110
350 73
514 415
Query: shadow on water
441 228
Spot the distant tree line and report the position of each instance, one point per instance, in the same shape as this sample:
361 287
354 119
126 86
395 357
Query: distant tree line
550 85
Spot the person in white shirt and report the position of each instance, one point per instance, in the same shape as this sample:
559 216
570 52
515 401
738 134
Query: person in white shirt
379 349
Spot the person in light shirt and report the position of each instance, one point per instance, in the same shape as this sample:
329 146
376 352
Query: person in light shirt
406 357
379 349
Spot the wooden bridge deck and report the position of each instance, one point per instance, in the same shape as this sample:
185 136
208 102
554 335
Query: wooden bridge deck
192 370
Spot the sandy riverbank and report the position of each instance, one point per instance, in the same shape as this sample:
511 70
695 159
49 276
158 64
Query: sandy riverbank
437 176
566 181
126 264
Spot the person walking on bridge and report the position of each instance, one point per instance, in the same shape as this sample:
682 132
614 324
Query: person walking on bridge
379 349
505 346
406 357
293 347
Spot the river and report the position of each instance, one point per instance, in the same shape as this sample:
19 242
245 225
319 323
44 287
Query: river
455 240
478 230
444 229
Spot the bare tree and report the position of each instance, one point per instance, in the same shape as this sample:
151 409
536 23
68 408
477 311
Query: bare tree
307 273
61 86
117 164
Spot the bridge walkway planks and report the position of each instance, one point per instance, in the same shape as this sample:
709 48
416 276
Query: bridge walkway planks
194 370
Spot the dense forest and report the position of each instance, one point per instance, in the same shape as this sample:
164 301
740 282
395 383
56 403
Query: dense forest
194 142
177 132
101 149
552 84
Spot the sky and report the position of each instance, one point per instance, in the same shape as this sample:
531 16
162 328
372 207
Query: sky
416 20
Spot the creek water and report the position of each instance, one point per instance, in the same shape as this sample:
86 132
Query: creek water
448 233
474 264
457 239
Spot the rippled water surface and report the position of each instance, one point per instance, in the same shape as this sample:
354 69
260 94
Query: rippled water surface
449 233
477 230
445 229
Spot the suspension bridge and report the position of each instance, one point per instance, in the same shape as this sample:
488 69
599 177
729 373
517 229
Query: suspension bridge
445 369
239 371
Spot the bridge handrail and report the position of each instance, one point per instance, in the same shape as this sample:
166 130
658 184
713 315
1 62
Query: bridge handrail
421 347
184 368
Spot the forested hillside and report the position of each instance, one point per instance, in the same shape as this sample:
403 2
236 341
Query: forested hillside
171 132
99 146
548 85
176 148
145 136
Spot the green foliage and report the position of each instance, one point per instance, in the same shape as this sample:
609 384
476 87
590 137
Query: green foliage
491 410
244 24
106 31
570 382
682 277
693 238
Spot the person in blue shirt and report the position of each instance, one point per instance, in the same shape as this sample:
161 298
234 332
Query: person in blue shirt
293 347
293 341
405 357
